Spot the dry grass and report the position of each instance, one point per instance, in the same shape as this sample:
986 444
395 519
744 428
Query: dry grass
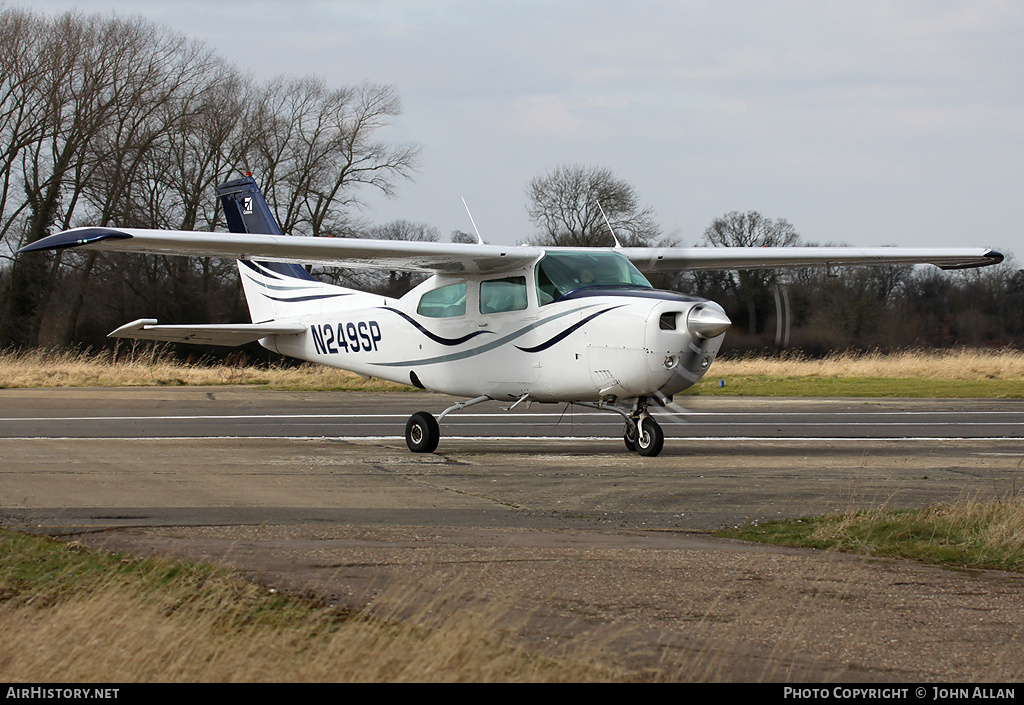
155 367
957 364
71 615
149 366
115 636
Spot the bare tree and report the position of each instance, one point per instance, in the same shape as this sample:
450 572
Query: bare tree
566 205
752 289
110 121
317 146
386 283
22 113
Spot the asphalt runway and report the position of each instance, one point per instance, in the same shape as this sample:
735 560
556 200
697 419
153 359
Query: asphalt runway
545 510
237 413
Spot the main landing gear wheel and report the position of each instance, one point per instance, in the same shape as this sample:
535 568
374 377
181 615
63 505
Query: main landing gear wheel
650 438
422 433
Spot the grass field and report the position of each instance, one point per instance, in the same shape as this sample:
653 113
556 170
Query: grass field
70 615
939 373
958 373
968 533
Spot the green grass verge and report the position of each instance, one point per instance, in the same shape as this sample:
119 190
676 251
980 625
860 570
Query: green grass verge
41 571
765 386
968 534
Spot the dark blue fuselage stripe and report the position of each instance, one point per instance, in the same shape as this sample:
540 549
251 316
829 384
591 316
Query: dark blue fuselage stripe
565 333
254 267
433 336
304 298
490 345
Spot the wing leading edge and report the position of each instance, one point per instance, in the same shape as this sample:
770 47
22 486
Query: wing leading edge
459 258
651 259
430 257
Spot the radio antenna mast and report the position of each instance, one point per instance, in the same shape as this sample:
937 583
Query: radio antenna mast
479 240
610 228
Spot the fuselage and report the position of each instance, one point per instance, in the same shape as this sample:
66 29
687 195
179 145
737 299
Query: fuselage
565 328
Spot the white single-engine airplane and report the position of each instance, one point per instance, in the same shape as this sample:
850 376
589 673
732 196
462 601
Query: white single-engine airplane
543 324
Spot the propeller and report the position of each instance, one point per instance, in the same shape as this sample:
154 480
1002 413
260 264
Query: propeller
704 322
672 409
783 316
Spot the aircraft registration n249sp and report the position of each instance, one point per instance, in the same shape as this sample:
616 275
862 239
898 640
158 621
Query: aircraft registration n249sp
519 324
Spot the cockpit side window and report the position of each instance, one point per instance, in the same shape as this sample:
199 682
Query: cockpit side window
444 302
508 294
560 273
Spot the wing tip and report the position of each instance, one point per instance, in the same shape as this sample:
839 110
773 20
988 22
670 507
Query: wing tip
74 238
127 329
989 258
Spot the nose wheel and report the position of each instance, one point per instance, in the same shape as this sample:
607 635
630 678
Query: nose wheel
644 435
650 439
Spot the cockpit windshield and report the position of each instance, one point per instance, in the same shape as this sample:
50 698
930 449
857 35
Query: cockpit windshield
559 273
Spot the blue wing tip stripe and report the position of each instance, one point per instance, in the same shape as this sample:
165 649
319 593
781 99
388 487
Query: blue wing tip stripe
74 238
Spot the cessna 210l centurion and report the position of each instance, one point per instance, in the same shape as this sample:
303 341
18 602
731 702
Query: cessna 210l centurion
541 324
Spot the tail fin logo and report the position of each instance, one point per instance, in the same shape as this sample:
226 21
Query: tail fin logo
247 205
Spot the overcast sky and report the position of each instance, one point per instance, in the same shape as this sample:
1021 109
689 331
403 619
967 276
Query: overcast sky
866 123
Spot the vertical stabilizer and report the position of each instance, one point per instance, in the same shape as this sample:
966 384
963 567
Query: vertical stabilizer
246 209
273 290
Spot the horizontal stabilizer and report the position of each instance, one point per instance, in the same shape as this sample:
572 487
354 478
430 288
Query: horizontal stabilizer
230 334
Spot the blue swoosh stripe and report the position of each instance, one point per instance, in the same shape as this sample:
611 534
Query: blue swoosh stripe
491 345
433 336
565 333
300 287
303 298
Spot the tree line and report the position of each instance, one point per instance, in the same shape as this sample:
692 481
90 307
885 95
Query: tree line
812 309
816 310
114 121
109 121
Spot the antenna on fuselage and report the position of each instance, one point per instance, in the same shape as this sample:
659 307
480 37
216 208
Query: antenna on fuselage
479 240
610 228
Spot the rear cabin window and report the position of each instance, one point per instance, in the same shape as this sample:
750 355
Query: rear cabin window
508 294
445 302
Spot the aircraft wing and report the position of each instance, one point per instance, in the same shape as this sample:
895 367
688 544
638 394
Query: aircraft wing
430 257
461 258
230 334
649 259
